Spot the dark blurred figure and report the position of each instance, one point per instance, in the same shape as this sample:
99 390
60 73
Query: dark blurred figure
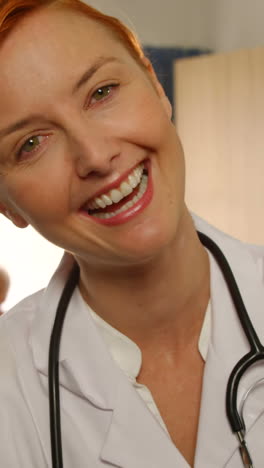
4 286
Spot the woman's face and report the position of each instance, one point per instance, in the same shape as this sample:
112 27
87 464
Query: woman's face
82 115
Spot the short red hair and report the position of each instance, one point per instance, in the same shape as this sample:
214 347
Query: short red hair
12 11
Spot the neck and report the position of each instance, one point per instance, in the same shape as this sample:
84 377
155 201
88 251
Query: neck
165 299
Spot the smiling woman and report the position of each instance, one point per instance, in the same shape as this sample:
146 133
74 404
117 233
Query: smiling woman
90 158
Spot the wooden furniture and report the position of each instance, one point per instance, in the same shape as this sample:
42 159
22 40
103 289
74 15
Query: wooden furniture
220 119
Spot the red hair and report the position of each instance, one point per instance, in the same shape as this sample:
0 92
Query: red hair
12 11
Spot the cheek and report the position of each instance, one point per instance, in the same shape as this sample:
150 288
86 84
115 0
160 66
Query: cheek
40 189
142 120
36 201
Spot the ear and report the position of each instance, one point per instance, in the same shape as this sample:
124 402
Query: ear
15 218
155 82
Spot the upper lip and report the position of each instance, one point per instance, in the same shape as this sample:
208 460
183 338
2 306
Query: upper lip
111 185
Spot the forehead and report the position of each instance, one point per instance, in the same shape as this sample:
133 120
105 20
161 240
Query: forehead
56 38
45 54
54 23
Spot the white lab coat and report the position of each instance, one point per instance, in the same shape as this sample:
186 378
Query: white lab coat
104 421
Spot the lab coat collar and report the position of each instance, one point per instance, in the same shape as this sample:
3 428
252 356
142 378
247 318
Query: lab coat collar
82 346
228 345
87 369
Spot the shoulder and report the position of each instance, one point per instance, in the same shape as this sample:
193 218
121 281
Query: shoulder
15 325
21 311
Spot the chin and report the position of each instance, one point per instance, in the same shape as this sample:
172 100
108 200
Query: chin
140 246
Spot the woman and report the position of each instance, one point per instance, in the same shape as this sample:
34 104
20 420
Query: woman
90 159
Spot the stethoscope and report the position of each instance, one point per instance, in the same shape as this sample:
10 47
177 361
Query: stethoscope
255 354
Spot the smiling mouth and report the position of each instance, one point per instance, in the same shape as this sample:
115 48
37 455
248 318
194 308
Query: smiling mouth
121 198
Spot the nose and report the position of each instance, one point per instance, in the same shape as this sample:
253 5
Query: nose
93 150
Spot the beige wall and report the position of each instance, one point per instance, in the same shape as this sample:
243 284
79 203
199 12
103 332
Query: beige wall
236 24
219 114
164 22
221 25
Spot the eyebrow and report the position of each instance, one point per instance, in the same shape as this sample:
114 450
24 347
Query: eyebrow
92 70
84 79
20 124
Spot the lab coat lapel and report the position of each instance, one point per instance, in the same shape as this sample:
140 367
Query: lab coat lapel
135 438
216 444
36 394
86 368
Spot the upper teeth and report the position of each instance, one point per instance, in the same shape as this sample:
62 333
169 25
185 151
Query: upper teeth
117 194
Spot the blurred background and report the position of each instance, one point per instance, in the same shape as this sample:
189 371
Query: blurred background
204 52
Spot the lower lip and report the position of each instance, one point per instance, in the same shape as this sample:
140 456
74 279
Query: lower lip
130 213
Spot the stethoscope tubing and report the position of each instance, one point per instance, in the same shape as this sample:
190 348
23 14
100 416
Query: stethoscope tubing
246 323
256 348
54 350
236 421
